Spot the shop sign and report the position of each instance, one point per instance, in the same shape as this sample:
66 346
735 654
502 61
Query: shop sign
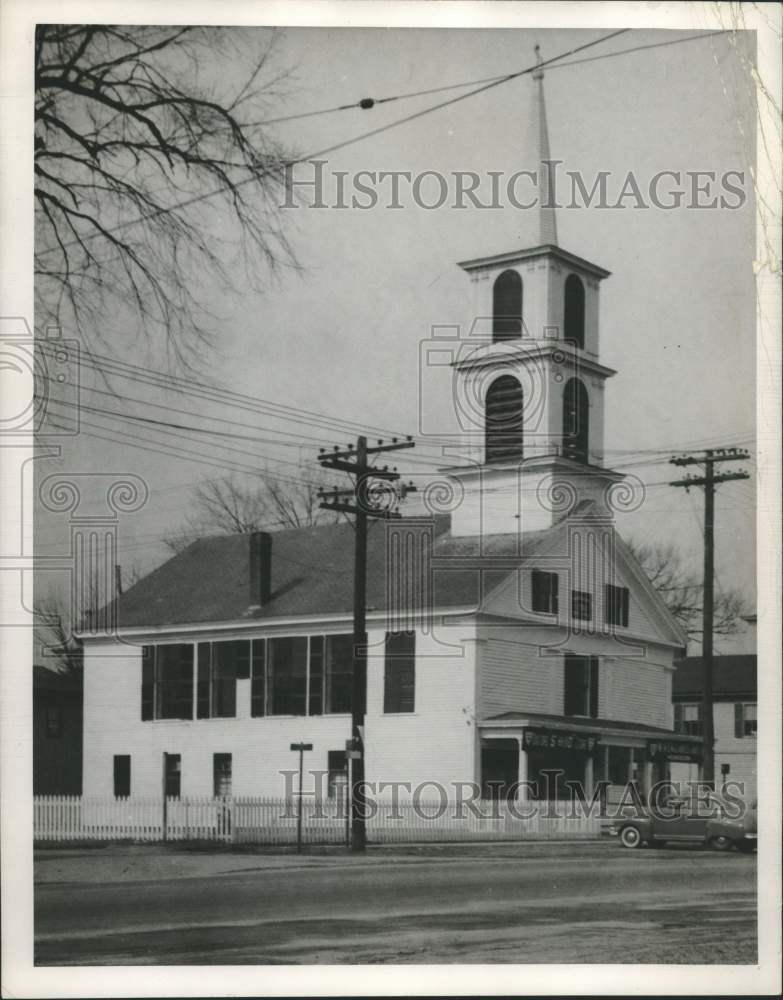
553 739
673 749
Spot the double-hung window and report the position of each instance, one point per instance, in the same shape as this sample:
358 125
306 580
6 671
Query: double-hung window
544 588
616 601
581 686
167 681
399 682
745 720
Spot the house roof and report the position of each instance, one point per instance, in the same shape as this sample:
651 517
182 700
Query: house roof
312 574
731 676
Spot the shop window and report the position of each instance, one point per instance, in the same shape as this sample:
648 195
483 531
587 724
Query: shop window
220 664
172 774
399 683
287 676
54 722
221 775
619 761
581 686
745 720
122 776
338 774
616 601
507 307
504 420
544 586
581 605
687 719
167 681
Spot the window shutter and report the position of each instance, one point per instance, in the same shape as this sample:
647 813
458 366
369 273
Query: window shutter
739 722
147 682
594 687
202 686
315 701
185 686
258 682
555 581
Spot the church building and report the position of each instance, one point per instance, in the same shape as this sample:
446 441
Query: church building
510 636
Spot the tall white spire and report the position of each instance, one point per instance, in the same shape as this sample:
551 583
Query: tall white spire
545 224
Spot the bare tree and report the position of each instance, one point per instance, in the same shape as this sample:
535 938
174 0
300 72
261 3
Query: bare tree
231 506
150 171
53 636
682 591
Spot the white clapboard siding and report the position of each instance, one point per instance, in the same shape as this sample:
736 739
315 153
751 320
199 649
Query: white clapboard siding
275 821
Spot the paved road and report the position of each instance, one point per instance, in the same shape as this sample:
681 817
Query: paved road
591 902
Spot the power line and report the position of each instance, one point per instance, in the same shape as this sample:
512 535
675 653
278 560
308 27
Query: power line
195 199
367 103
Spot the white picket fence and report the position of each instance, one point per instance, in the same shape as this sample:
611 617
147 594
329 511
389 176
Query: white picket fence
274 821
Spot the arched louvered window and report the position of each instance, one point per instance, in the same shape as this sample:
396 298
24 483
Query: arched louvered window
504 420
574 321
576 421
507 307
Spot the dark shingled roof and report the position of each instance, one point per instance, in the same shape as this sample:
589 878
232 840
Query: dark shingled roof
732 676
312 574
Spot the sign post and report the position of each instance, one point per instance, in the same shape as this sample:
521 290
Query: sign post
301 747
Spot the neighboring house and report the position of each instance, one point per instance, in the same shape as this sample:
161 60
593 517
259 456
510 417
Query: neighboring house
734 714
57 732
510 635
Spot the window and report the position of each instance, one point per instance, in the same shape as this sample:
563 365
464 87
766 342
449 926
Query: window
399 682
54 722
574 314
745 720
687 719
339 673
122 776
287 676
581 686
167 681
576 421
619 760
616 605
504 411
221 775
507 307
220 664
172 774
544 587
338 774
581 605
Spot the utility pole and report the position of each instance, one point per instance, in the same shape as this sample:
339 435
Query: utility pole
371 496
707 459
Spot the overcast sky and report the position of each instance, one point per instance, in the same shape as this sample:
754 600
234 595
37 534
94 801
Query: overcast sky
342 335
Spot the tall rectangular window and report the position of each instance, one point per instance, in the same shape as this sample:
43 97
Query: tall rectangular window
399 683
616 601
287 675
745 723
581 605
221 775
581 686
172 774
122 776
258 679
315 699
339 673
544 587
220 665
167 681
338 773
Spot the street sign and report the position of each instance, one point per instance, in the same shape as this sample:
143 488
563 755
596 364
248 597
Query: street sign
301 746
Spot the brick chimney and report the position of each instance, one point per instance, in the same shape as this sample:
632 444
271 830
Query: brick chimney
260 568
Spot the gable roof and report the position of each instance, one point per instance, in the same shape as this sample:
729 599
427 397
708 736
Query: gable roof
732 676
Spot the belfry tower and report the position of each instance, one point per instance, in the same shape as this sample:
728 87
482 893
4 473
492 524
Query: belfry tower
530 387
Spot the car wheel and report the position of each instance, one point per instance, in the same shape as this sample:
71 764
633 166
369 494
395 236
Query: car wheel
721 843
630 837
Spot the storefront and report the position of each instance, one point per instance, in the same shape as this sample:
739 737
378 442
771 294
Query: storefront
538 757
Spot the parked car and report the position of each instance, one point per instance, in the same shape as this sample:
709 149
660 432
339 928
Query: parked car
715 821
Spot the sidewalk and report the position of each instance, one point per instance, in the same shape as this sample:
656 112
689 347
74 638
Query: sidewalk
150 862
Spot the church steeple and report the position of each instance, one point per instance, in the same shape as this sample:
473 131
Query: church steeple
545 222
